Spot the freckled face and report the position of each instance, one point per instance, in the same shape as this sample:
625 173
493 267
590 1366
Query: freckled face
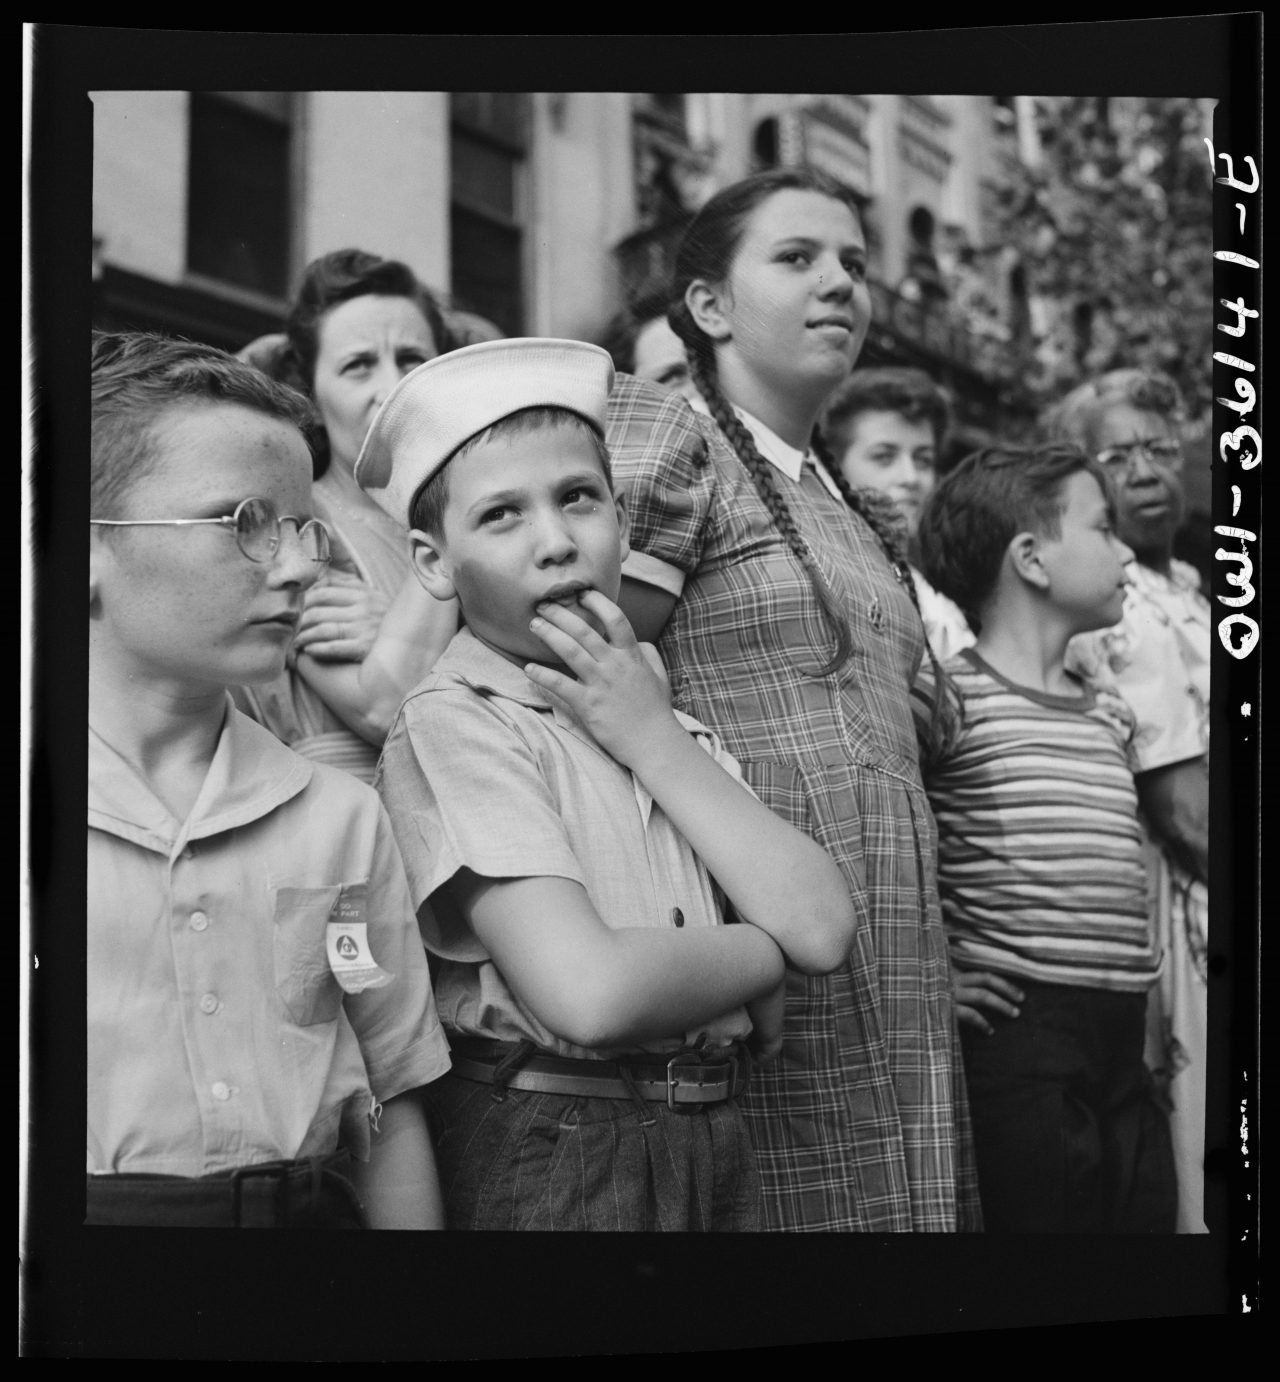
889 453
184 605
528 518
365 346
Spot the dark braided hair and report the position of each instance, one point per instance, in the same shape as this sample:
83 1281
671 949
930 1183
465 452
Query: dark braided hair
707 251
946 711
760 471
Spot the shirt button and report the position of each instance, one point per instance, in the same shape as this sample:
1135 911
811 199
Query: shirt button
222 1090
199 921
209 1003
677 916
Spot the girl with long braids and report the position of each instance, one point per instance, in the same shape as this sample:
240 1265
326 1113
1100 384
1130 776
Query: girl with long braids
781 604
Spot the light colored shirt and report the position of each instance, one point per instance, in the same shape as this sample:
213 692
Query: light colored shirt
945 626
1040 863
1157 658
218 1035
481 771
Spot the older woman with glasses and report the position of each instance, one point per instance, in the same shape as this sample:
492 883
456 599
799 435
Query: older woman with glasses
1157 657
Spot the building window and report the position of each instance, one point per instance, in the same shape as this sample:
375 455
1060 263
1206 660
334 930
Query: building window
488 143
239 188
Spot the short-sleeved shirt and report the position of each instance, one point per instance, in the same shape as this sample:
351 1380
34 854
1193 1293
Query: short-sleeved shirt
862 1123
218 1035
1157 658
481 771
1040 853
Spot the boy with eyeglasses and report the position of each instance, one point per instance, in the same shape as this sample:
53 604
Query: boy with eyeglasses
259 1008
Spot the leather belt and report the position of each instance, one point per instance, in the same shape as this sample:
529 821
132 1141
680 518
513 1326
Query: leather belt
272 1194
685 1078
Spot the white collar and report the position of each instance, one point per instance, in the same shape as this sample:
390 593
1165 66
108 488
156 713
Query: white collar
779 454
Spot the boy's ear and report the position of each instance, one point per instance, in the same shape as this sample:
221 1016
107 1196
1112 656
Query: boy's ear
624 525
430 565
1024 556
706 306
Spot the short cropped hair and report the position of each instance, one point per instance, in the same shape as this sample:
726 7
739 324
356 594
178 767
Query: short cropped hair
1079 416
908 392
983 504
426 512
139 377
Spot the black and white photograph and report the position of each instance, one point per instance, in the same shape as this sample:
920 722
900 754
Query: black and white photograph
651 665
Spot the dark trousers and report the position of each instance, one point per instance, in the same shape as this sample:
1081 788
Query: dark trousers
559 1161
1068 1133
316 1193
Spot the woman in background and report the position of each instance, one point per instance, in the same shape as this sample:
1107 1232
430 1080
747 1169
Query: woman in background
368 632
886 428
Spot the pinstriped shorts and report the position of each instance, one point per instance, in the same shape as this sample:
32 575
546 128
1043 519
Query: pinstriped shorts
556 1161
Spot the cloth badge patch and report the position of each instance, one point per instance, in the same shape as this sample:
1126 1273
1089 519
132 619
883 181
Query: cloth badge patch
346 943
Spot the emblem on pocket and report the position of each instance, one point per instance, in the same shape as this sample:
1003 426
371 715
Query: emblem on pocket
347 944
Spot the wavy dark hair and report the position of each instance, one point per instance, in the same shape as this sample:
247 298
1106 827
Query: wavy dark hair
888 389
335 278
978 509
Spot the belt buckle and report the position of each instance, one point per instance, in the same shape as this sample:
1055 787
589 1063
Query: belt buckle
277 1171
683 1058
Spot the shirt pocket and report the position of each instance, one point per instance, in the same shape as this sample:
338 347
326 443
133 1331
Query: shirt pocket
304 981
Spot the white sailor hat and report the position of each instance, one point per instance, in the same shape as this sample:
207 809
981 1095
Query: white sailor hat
435 408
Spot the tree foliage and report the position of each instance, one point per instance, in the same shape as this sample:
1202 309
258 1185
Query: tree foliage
1113 230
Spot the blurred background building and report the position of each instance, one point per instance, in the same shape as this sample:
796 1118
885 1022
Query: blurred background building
1017 243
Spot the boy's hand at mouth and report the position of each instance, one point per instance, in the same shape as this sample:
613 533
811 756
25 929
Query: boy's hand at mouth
621 693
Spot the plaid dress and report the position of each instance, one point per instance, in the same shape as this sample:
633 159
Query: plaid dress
862 1124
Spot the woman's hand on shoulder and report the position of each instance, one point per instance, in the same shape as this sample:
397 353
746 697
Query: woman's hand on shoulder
341 616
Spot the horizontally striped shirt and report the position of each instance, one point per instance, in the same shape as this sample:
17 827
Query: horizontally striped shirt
1040 864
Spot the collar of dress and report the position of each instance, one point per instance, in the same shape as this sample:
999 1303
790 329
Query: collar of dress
778 453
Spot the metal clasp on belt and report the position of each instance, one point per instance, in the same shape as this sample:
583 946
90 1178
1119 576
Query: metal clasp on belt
679 1061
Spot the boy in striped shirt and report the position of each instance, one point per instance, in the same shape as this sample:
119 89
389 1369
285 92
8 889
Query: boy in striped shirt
1040 864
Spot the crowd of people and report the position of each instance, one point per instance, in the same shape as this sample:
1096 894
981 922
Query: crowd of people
636 791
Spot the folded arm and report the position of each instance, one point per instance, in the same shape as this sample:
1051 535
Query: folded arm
776 877
365 695
594 986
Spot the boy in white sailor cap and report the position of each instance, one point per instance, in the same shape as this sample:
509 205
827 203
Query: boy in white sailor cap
562 828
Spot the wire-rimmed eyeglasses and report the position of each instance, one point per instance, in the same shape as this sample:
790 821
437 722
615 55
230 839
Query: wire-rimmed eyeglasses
256 526
1164 451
